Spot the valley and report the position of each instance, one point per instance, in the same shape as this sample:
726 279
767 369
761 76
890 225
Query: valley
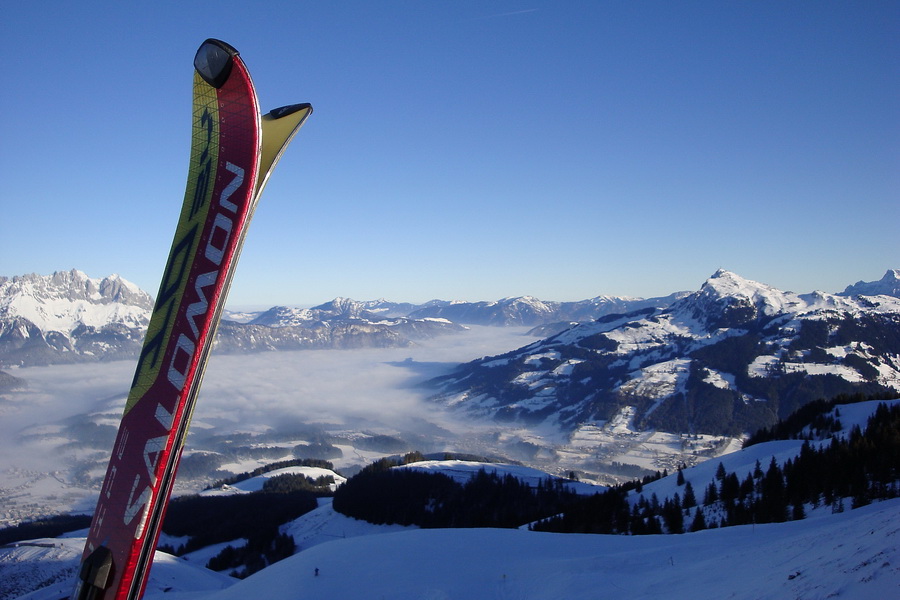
350 407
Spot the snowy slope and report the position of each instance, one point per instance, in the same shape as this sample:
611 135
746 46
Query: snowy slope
851 555
743 462
324 524
52 563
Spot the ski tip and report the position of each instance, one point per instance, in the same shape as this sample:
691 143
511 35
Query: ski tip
283 111
213 61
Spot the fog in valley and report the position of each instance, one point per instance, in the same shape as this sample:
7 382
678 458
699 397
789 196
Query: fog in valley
56 435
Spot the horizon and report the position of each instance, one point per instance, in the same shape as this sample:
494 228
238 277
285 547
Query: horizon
261 307
471 151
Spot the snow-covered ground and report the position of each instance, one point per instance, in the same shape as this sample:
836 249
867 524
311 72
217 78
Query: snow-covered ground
851 555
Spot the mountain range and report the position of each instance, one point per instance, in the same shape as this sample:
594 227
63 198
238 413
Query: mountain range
729 358
732 357
70 317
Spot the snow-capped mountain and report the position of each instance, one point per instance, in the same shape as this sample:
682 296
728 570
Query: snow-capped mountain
889 285
530 311
68 316
337 333
729 358
341 323
337 309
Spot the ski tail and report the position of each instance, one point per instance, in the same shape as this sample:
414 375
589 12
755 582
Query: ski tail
231 159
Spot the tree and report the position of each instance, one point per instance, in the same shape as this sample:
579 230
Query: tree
690 500
699 520
712 494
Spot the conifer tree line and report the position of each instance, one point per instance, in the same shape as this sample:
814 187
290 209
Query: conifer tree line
861 467
384 495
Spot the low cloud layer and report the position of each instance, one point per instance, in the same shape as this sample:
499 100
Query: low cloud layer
253 392
340 386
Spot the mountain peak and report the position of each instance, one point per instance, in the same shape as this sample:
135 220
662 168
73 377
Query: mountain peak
726 284
889 285
729 300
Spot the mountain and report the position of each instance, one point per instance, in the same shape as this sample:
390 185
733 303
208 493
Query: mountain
341 323
70 317
337 309
732 357
530 311
334 333
889 285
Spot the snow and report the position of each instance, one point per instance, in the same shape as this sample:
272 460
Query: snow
743 462
535 359
849 555
566 368
719 379
324 524
26 565
762 365
658 381
63 301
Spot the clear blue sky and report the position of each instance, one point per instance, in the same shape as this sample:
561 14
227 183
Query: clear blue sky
469 150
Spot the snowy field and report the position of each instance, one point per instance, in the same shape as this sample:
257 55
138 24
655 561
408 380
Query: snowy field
851 555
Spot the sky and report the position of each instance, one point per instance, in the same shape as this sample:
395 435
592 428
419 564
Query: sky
469 150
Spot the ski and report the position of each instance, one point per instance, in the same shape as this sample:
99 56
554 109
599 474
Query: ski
233 152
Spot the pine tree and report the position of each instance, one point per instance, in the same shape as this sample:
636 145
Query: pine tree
690 500
712 495
699 522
